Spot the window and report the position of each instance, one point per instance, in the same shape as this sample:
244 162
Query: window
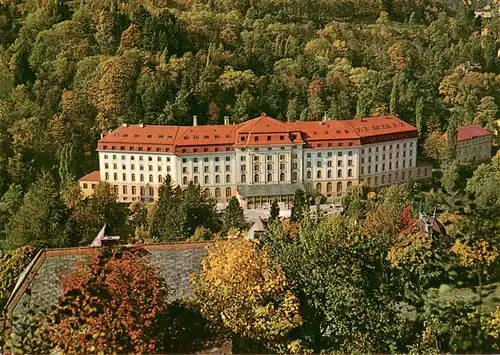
318 164
217 192
93 186
228 178
294 176
160 179
196 179
269 167
243 168
243 158
142 178
318 187
114 156
339 154
404 163
141 167
243 178
349 162
376 168
151 191
329 174
339 173
349 173
329 187
143 191
376 180
228 192
269 178
282 177
132 167
184 180
133 177
318 174
228 167
134 190
150 178
282 166
195 169
397 164
362 170
217 168
105 156
383 166
106 166
308 164
349 184
308 155
115 176
217 179
256 158
294 156
256 167
339 163
256 178
329 163
369 169
207 193
140 158
339 186
308 174
85 185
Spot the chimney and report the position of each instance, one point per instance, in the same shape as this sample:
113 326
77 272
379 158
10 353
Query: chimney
141 125
124 125
102 135
195 121
226 120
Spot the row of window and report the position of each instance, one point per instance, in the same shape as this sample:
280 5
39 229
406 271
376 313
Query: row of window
329 186
329 174
329 163
384 156
141 158
141 167
206 179
206 169
132 177
205 159
410 162
386 147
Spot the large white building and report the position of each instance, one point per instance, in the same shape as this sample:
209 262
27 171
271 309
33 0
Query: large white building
259 160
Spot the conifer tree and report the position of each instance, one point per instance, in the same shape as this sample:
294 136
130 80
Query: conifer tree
233 216
300 206
394 97
275 210
419 113
67 164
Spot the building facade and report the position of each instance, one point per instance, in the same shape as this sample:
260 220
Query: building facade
261 159
473 144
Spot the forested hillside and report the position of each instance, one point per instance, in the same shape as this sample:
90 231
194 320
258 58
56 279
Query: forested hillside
70 70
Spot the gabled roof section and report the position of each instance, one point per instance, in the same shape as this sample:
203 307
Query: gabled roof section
205 135
380 125
469 132
325 130
264 124
93 176
142 134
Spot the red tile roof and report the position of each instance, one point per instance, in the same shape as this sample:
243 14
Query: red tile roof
93 176
262 130
469 132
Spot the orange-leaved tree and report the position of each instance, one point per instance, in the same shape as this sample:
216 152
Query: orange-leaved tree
113 303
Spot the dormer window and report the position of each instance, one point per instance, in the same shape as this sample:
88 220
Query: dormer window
136 135
206 137
282 138
242 138
196 137
256 138
149 136
186 137
161 136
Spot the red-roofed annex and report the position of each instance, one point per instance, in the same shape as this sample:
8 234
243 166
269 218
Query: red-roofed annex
473 143
260 159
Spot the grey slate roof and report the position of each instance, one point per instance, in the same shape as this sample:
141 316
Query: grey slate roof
269 189
39 288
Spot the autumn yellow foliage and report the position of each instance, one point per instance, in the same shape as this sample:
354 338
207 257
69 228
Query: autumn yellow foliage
240 288
471 255
414 248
